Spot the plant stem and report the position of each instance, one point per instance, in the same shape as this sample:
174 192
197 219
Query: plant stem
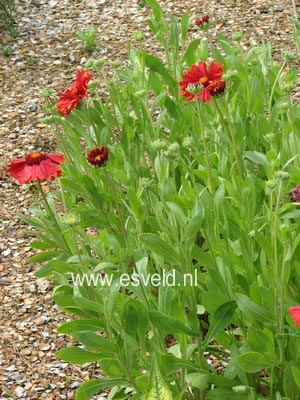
294 130
207 160
230 130
119 212
273 88
53 217
295 9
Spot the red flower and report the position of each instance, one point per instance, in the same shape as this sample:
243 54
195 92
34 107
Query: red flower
202 21
209 77
36 167
71 97
295 194
294 312
98 156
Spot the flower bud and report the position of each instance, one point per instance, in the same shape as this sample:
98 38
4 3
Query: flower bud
270 137
295 194
271 184
282 175
99 63
237 36
287 56
140 93
47 93
146 183
160 144
116 64
141 3
71 219
48 120
172 151
192 88
93 85
188 142
89 63
139 36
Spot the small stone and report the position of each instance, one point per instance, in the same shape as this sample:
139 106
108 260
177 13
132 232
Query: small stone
11 368
45 347
25 352
15 377
34 107
20 392
6 252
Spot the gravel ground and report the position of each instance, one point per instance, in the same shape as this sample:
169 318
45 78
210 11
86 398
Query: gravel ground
45 53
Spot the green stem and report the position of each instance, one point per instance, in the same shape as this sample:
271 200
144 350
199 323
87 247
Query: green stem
230 130
53 217
273 88
294 130
207 159
119 212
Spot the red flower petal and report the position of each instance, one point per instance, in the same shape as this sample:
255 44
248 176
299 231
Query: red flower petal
294 312
203 76
36 167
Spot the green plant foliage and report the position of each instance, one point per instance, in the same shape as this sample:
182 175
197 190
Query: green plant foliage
87 37
173 233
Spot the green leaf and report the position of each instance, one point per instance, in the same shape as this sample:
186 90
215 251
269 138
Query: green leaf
253 310
44 256
197 380
90 324
224 394
160 247
157 66
135 204
188 55
158 389
256 157
90 388
296 375
184 26
96 342
76 355
221 319
253 362
156 9
170 324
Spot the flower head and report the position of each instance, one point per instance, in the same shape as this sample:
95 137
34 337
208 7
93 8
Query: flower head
294 312
98 156
36 167
71 97
295 194
207 78
202 21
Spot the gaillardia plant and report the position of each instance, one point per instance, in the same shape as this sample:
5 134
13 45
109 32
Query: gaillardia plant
178 261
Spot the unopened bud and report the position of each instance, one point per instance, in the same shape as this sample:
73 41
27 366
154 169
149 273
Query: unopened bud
139 36
237 36
116 64
160 144
71 220
47 93
99 63
146 183
89 63
172 151
188 142
271 184
282 175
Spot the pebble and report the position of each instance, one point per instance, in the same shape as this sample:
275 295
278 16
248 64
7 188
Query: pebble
11 368
15 377
20 391
34 108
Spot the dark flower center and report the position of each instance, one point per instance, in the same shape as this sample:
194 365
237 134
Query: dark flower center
35 158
